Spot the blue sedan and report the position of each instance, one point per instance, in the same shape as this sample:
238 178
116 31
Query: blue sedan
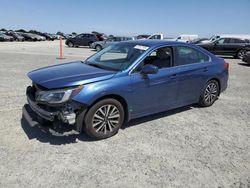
124 81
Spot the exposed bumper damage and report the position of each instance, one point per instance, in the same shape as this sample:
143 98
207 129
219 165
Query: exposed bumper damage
65 113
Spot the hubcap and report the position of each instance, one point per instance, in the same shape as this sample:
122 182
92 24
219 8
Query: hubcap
106 118
241 54
98 48
211 93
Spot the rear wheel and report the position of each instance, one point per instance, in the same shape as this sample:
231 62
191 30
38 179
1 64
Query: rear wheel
210 93
70 44
104 119
98 48
241 53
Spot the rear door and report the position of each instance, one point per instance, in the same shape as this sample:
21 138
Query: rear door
192 66
79 39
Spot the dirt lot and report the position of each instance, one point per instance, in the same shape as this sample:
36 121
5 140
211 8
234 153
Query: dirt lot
187 147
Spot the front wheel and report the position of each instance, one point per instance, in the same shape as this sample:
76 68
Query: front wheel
71 44
104 119
210 93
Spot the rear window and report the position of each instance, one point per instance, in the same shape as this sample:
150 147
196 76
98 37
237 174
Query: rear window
235 41
186 55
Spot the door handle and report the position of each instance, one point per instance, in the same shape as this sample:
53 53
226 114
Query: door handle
205 69
173 76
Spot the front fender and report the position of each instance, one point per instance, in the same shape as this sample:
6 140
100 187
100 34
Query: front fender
115 86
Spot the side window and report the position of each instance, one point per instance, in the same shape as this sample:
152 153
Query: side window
221 41
236 41
80 36
186 55
161 57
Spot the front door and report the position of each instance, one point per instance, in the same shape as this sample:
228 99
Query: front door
154 92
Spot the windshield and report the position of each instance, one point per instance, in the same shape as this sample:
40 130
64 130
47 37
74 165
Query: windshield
117 57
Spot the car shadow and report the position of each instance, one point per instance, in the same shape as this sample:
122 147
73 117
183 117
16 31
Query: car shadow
85 47
54 136
244 64
65 134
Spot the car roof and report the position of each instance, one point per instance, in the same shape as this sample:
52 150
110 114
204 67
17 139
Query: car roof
155 43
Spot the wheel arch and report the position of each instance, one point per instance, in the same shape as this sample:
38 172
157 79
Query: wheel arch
118 98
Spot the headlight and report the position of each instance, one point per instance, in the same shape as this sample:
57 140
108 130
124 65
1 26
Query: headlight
57 96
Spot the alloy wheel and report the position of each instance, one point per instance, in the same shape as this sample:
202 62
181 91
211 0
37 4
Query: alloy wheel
211 93
106 119
241 53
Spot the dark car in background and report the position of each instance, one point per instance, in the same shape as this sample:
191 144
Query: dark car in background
99 45
84 39
229 46
16 36
4 37
47 36
124 81
246 57
27 36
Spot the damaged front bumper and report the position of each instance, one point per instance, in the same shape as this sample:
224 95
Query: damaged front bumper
66 113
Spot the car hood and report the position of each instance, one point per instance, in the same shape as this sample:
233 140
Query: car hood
68 74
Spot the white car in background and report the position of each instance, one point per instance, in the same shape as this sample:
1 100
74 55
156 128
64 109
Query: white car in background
186 38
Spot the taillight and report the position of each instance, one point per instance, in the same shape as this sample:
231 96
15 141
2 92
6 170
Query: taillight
226 65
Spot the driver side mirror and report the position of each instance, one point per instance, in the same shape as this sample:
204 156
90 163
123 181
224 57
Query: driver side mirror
149 69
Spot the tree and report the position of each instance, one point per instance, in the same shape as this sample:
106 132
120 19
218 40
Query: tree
3 29
74 33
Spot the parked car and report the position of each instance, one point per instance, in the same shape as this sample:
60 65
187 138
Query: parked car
99 45
199 40
246 57
38 37
47 36
186 38
15 36
4 37
84 39
236 47
142 36
124 81
216 37
27 36
157 36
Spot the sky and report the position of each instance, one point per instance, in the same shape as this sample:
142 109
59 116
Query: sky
128 17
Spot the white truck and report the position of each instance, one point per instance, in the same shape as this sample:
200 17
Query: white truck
181 38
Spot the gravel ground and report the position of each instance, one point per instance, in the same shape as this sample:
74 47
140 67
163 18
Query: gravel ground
186 147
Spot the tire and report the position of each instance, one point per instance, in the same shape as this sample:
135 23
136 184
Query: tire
90 44
104 119
98 48
209 94
240 54
71 44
